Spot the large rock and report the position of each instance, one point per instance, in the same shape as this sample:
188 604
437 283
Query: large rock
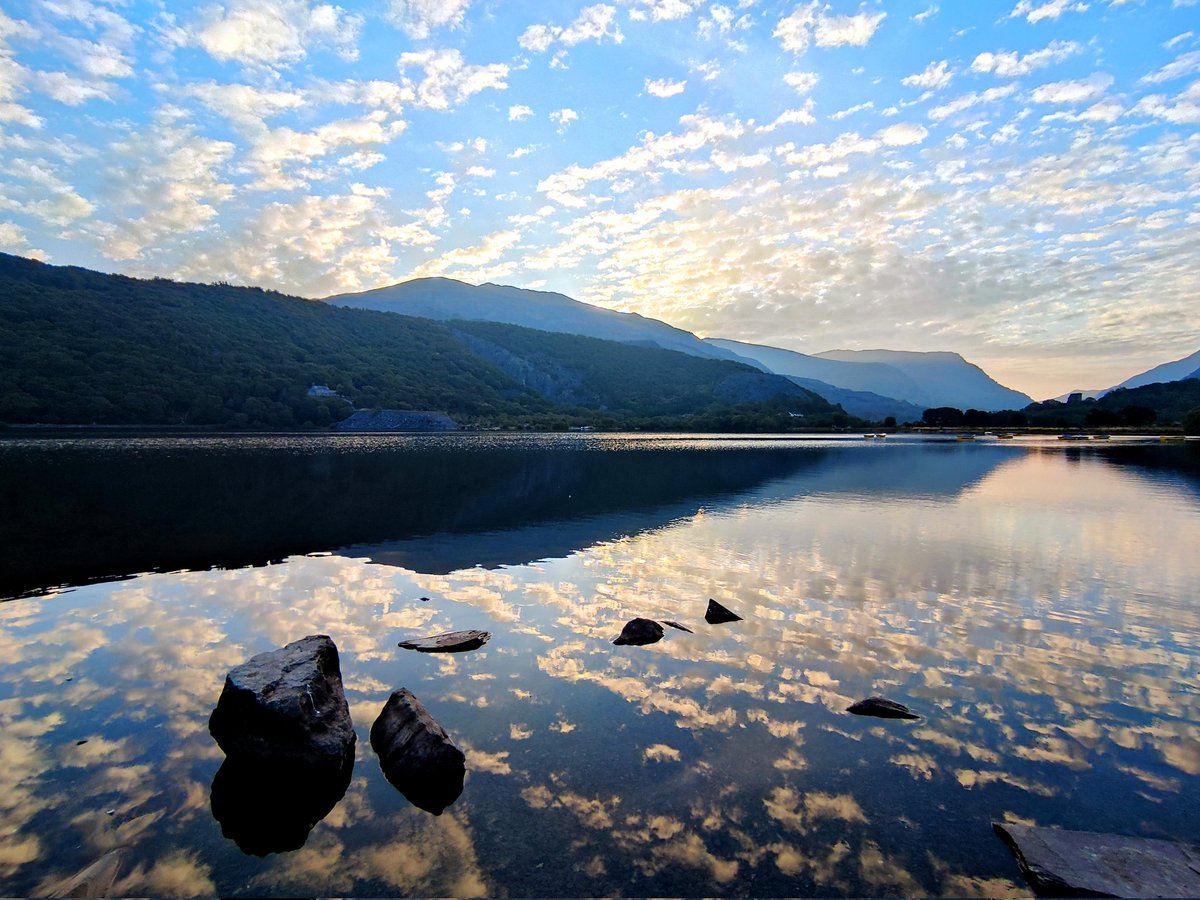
450 642
416 754
1084 864
640 632
286 708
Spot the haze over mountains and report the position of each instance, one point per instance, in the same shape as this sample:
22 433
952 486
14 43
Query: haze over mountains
873 384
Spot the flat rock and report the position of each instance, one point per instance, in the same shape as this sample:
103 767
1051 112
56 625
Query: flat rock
882 708
1086 864
719 615
416 754
640 632
287 708
450 642
677 625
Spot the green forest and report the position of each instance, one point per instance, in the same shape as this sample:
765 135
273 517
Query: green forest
80 347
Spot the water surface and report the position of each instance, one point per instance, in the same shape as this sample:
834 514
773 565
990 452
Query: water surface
1036 603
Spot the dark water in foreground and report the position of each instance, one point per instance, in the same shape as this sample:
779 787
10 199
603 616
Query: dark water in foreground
1037 603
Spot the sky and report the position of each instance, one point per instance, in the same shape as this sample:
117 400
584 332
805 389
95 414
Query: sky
1015 181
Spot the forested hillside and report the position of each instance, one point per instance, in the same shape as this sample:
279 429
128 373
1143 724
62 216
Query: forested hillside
81 347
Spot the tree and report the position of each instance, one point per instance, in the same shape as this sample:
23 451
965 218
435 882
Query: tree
1191 421
943 417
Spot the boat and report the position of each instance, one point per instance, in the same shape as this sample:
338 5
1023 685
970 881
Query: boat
1171 438
966 437
1101 437
1072 437
1005 436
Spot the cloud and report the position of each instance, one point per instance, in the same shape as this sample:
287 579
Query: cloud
258 33
594 23
801 82
807 23
665 87
71 90
663 10
935 76
927 13
970 101
564 117
903 134
1182 66
519 112
1073 91
790 117
1008 64
448 79
1051 10
420 18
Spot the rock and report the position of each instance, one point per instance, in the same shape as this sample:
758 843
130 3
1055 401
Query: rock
882 708
1085 864
286 708
677 625
450 642
268 808
416 755
719 615
640 632
95 880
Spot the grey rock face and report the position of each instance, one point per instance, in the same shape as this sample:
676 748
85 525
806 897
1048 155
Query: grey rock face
416 754
640 632
716 614
882 708
286 707
1083 864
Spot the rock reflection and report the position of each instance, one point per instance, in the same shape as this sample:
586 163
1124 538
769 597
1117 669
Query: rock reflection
271 808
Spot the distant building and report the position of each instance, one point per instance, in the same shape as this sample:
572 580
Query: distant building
322 390
1075 397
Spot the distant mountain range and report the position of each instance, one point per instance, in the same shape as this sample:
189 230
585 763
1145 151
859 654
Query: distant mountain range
1179 370
872 384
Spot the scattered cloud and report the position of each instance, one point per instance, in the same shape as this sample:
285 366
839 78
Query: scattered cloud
665 87
594 23
419 19
1079 91
1038 12
1010 64
448 79
808 23
935 76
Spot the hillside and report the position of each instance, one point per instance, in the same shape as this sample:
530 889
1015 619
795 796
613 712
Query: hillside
1188 367
446 299
946 378
882 390
1152 404
81 347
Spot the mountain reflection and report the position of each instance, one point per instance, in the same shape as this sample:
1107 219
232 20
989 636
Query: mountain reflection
1038 612
88 510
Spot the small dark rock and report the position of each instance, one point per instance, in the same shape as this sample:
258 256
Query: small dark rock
640 632
424 599
882 708
81 742
719 615
287 707
677 625
416 755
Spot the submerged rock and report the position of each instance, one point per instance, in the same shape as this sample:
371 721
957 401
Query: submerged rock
1084 864
287 708
450 642
719 615
96 880
677 625
640 632
882 708
416 754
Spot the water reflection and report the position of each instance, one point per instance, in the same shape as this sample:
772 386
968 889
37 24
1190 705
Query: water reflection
1039 615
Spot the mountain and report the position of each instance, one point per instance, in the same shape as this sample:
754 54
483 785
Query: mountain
445 299
81 347
946 378
1188 367
1160 403
876 378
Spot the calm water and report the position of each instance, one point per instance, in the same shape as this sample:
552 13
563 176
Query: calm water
1038 603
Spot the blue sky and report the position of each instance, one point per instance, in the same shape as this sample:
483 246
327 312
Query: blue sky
1016 181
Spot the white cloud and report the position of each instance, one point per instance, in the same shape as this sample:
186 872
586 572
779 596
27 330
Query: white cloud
903 134
594 23
1073 91
849 111
448 79
665 87
801 82
807 23
420 18
1051 10
1008 64
1182 66
270 32
13 240
34 188
663 10
564 117
70 89
790 117
928 13
970 101
935 76
519 112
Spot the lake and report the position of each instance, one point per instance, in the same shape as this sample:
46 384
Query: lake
1036 603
